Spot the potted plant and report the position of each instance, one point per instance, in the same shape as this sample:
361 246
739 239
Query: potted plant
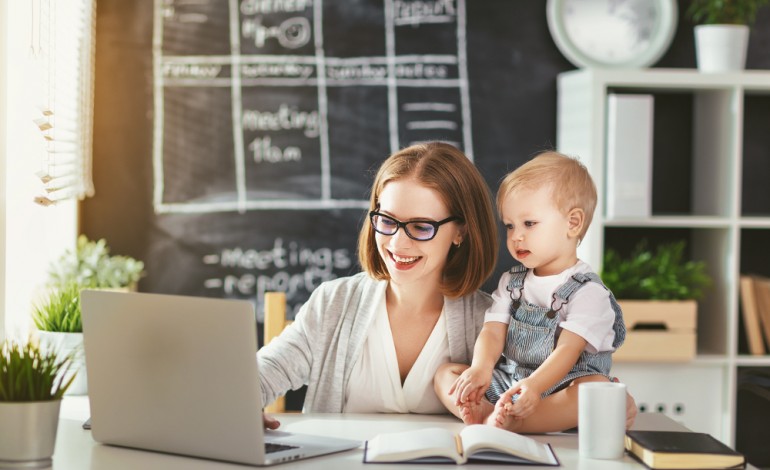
32 382
90 265
722 32
658 292
60 328
57 317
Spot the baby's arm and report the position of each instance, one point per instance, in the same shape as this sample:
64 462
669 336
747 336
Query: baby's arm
471 385
554 368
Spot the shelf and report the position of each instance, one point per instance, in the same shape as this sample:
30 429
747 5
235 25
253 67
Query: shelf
684 221
675 79
753 361
754 222
710 186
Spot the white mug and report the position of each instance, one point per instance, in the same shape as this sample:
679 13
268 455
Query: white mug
601 420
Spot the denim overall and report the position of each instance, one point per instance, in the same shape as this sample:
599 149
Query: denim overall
534 331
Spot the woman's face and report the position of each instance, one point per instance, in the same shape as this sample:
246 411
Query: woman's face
412 262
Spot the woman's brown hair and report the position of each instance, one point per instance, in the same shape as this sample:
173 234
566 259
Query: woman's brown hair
463 190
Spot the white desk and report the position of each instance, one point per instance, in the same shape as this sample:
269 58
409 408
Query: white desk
75 449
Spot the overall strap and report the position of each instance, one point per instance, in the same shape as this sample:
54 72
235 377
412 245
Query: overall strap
516 285
573 284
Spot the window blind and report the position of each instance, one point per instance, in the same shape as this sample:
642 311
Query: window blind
62 45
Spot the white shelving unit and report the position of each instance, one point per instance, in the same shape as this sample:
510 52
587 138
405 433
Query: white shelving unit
702 393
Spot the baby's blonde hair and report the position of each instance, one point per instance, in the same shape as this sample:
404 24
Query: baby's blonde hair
571 184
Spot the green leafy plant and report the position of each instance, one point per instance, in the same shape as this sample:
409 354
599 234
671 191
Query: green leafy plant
725 11
60 311
91 265
28 373
664 274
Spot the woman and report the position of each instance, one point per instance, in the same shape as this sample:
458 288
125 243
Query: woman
373 341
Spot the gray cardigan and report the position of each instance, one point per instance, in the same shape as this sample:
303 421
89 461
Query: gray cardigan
320 348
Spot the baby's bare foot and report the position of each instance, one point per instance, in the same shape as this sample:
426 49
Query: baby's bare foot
503 418
475 413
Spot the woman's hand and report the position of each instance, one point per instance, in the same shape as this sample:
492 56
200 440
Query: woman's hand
471 385
270 422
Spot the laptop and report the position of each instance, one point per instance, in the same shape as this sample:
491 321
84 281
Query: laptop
178 374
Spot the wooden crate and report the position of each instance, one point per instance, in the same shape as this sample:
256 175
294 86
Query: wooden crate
675 341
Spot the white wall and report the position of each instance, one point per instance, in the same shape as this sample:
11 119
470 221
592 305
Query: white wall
30 235
3 107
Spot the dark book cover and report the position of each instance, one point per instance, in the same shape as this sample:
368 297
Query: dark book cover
680 442
675 450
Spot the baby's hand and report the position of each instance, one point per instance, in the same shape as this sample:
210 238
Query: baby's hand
524 404
471 385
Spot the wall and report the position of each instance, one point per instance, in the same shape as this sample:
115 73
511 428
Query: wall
251 245
3 156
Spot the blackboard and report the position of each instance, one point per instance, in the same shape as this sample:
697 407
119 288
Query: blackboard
233 149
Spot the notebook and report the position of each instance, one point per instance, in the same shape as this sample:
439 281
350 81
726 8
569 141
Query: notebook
178 374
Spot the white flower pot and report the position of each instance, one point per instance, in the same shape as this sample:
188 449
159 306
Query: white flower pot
28 433
721 47
66 343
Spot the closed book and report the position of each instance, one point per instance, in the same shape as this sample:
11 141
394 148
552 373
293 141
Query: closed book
677 450
751 315
762 293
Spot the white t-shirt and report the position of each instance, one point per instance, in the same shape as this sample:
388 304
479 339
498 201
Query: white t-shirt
375 381
588 313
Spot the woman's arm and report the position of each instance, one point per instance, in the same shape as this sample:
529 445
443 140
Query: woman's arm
285 363
474 381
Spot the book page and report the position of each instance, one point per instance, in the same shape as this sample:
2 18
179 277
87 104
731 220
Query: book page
409 445
478 437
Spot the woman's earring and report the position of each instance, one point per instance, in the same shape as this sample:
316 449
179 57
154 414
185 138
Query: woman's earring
457 245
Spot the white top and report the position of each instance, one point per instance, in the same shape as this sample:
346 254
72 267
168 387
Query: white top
375 382
588 313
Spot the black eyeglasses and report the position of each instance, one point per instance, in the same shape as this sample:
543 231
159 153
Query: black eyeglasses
420 230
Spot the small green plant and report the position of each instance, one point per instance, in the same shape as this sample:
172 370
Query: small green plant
725 11
60 311
91 265
660 275
29 374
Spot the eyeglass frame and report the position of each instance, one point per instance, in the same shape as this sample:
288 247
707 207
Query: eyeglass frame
399 224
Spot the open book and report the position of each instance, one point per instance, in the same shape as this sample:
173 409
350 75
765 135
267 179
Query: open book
476 443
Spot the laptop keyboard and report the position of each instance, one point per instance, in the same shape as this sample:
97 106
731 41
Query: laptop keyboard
270 447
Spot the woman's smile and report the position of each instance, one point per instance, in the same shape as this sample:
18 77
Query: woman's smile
404 262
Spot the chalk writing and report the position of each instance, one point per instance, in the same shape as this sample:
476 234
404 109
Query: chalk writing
291 33
281 257
416 11
263 151
286 267
295 96
285 118
174 70
253 7
277 70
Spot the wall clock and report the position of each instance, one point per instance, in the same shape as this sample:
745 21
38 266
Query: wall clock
612 33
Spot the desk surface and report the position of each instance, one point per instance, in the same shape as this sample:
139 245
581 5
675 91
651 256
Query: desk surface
75 449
